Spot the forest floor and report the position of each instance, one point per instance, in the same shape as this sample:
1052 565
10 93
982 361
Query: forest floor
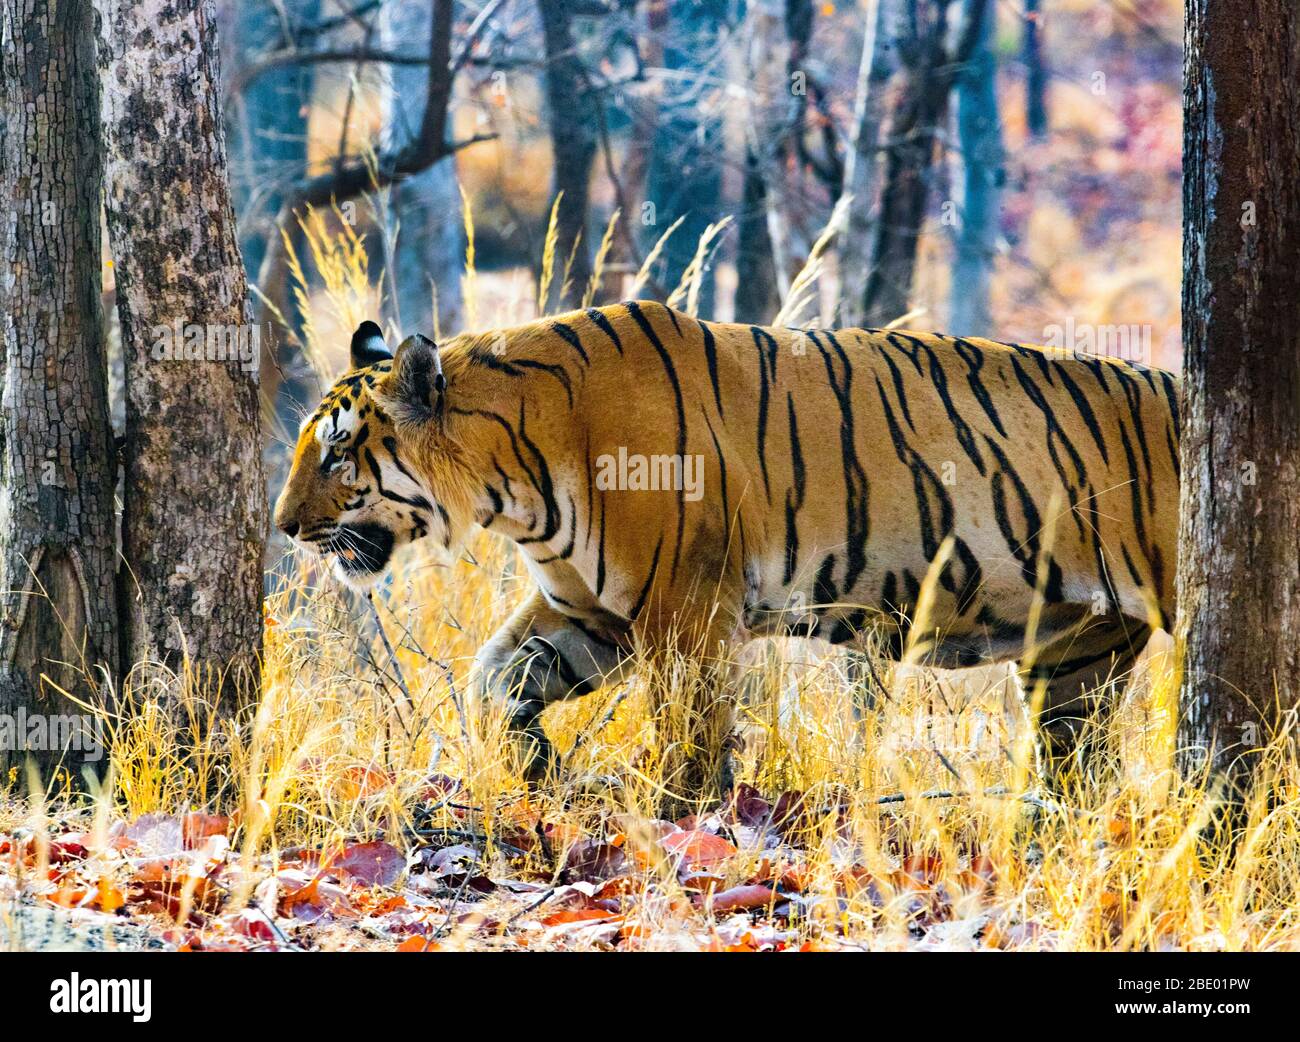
366 803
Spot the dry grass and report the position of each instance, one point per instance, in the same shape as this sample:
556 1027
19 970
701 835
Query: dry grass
934 774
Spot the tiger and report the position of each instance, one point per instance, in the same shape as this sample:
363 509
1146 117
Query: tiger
663 474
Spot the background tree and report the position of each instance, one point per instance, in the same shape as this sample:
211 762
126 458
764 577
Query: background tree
1031 52
862 164
573 121
430 250
1238 566
920 111
979 134
266 132
58 612
685 178
194 524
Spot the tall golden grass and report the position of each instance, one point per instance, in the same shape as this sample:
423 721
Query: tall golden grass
890 758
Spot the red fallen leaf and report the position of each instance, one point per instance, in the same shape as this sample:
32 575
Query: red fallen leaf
790 814
744 806
418 944
923 870
591 861
618 887
69 847
68 896
254 926
578 915
705 882
372 864
698 848
738 899
197 826
364 780
439 787
980 874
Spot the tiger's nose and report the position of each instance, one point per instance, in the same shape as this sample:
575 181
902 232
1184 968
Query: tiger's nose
289 528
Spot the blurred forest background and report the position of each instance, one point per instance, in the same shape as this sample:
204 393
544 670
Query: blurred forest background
1048 202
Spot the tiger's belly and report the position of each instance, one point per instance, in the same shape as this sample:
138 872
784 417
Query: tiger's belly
966 606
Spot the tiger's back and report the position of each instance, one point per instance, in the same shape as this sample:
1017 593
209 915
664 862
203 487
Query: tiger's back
837 465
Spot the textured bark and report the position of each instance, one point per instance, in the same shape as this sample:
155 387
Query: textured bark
573 122
862 168
58 616
761 274
195 509
921 109
1238 567
430 248
979 132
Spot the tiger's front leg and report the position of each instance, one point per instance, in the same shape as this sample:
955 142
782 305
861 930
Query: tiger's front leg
540 656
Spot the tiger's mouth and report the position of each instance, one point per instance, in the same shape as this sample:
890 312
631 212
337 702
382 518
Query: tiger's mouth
360 551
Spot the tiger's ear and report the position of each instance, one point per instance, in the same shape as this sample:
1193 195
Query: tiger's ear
368 346
416 386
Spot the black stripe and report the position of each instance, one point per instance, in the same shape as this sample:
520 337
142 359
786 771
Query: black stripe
1025 551
1085 411
711 356
974 359
598 316
635 311
645 590
573 340
766 379
857 489
793 496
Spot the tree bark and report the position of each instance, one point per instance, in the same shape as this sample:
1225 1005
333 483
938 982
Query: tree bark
267 132
194 525
1238 566
58 609
685 177
573 121
760 276
979 132
1035 71
426 207
862 167
921 109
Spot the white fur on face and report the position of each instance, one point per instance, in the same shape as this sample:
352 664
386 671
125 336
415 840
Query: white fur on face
335 427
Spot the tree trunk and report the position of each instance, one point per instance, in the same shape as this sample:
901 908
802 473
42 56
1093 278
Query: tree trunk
58 608
266 126
1035 71
429 253
757 299
571 103
194 525
862 167
1238 565
920 110
760 278
686 169
980 135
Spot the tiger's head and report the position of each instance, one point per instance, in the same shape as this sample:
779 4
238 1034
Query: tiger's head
373 469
